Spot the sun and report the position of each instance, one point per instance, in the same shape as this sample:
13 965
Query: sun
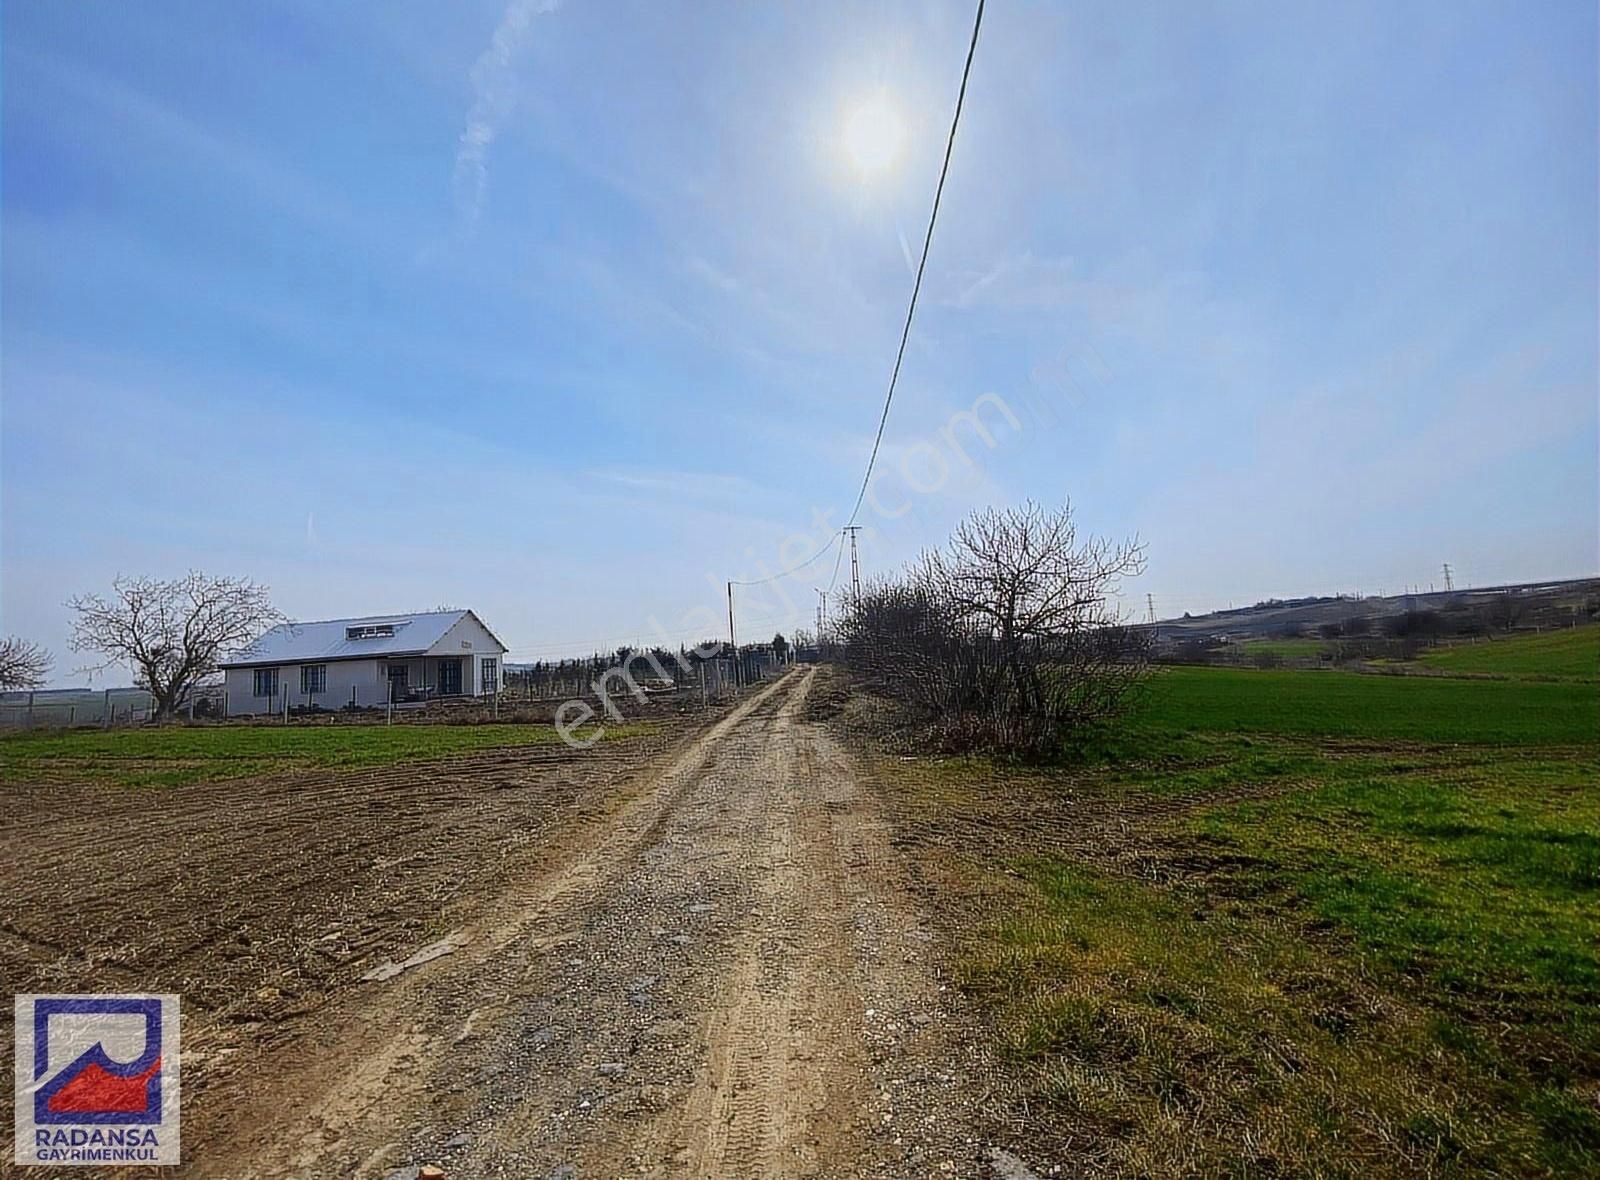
874 136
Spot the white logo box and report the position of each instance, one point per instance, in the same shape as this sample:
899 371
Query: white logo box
97 1080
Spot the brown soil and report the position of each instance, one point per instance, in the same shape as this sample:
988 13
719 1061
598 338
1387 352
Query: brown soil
696 955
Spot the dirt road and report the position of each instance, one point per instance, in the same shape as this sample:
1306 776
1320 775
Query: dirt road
725 978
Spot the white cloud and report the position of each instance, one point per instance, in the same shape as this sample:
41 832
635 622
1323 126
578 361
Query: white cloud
658 482
1021 280
494 89
711 273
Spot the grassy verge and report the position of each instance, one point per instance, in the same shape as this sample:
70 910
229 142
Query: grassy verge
165 757
1303 923
1232 1044
1484 880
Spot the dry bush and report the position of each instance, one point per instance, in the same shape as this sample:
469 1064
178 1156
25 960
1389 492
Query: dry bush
23 664
1009 638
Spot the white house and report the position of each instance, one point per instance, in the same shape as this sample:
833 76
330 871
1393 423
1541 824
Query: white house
366 662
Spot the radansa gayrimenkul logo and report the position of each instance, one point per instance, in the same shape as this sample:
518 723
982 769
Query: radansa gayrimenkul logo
97 1079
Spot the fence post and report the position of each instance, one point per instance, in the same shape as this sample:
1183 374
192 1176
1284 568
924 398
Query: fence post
105 713
30 710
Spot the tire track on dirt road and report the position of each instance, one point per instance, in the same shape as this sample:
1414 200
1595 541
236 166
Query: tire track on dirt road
725 978
782 1025
363 1061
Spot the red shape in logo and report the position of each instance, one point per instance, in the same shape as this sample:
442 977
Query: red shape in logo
95 1091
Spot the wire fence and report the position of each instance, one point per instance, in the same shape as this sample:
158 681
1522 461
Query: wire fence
685 676
68 708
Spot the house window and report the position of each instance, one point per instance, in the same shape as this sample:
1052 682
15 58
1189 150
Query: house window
491 676
313 678
266 682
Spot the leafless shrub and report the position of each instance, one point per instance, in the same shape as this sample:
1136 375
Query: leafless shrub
23 664
1008 638
172 633
1505 611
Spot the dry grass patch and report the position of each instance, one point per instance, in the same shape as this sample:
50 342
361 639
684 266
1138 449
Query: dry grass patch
1153 1038
1263 951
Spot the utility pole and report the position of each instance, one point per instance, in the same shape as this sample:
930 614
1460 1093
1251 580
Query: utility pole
1449 582
732 643
855 564
822 612
1150 608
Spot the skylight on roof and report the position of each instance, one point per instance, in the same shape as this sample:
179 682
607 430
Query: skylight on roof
370 631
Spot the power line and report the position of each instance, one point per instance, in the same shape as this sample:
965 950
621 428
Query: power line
640 639
900 353
791 570
837 561
916 287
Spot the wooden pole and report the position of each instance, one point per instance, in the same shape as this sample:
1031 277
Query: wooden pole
733 643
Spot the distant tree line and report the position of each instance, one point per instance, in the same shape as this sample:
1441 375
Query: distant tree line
1396 636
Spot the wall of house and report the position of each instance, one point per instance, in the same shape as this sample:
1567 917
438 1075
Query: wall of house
499 672
236 684
346 681
472 641
366 682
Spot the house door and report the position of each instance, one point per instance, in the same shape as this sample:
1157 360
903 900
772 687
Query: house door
399 682
449 678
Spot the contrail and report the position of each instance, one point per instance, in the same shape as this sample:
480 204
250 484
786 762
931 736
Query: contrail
494 96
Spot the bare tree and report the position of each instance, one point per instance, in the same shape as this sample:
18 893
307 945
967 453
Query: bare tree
1505 610
1010 636
23 664
172 633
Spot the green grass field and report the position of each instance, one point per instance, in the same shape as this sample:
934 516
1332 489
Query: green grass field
1351 705
1325 924
1571 654
175 755
1302 650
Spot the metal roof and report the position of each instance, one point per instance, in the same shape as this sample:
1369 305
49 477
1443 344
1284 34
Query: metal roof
293 643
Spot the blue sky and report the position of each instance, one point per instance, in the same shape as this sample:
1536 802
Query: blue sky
571 312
